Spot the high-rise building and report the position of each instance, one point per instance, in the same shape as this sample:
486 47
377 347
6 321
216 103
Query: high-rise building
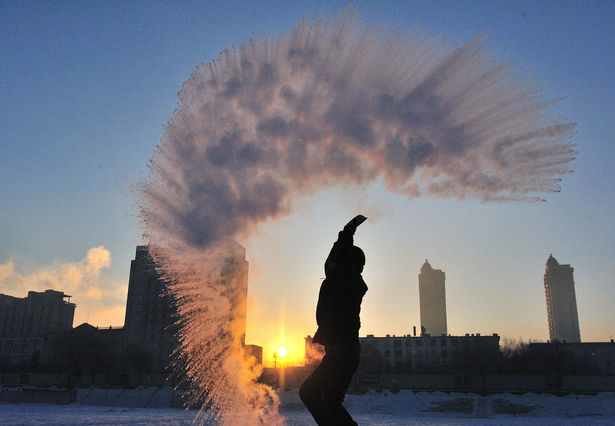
432 297
235 278
149 322
561 302
149 315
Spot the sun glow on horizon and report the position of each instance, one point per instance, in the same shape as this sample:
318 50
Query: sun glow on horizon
284 350
282 339
288 351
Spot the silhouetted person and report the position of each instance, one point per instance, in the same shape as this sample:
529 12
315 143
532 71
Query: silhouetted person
337 315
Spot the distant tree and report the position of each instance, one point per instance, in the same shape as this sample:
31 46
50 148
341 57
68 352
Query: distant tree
514 356
550 359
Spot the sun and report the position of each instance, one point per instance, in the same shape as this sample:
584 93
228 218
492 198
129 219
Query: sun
285 350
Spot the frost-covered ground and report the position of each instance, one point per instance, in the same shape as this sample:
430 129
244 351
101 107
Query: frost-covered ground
405 408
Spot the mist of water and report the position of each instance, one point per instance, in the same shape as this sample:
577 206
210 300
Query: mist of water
328 103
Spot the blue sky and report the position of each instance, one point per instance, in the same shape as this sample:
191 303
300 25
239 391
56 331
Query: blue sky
86 89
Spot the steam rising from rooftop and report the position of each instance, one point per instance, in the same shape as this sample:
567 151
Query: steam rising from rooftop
333 103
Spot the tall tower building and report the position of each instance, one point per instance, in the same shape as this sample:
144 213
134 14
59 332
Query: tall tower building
561 302
432 298
235 277
149 317
150 313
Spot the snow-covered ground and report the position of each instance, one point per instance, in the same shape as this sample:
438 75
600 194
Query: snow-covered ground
404 408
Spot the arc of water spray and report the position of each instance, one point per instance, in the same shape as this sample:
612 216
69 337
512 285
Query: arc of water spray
327 103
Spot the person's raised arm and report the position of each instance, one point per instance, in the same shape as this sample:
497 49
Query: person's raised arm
341 248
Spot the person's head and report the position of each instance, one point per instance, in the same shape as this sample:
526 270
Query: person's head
358 259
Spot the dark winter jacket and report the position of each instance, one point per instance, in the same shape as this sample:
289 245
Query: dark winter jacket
341 293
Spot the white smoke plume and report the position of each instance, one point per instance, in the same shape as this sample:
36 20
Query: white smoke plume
330 103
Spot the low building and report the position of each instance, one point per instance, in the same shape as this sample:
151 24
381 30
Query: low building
419 354
25 324
433 353
84 345
20 351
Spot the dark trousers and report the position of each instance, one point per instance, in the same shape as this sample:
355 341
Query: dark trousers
324 390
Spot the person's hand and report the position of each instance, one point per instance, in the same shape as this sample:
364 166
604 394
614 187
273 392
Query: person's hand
355 222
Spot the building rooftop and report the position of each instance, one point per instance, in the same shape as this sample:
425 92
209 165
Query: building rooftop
552 263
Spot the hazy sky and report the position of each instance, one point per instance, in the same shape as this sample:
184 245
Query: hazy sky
86 89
